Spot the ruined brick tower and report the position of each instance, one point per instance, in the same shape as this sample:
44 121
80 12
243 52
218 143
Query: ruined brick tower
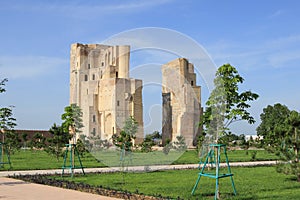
101 87
181 102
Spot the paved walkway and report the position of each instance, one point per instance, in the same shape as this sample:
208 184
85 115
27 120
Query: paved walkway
12 189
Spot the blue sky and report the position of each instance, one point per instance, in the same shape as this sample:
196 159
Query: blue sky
260 38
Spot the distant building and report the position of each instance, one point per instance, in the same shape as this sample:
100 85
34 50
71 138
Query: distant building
254 137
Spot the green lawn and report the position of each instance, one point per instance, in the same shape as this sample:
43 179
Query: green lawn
30 159
251 183
233 155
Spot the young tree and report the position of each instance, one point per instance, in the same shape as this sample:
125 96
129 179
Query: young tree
180 144
226 104
123 141
2 84
289 150
24 139
147 144
126 137
81 147
131 127
7 124
55 144
12 141
72 119
149 141
38 141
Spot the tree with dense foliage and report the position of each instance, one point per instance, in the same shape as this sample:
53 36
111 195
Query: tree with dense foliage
226 104
280 128
72 120
57 141
271 118
229 139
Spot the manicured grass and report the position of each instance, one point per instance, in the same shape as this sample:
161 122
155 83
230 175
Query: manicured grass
233 156
35 159
251 183
112 158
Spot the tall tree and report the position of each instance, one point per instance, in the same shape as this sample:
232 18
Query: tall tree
271 118
226 104
280 128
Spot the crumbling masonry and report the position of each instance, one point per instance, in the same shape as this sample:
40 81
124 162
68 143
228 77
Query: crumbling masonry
181 102
100 85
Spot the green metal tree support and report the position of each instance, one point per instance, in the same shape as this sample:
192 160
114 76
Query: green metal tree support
4 153
73 152
215 152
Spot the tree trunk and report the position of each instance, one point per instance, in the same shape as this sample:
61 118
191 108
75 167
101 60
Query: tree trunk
217 170
296 147
2 146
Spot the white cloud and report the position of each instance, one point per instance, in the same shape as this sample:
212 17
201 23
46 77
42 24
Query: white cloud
284 59
133 5
171 42
275 53
283 42
15 67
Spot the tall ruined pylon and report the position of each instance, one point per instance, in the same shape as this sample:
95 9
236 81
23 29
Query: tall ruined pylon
181 102
100 85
